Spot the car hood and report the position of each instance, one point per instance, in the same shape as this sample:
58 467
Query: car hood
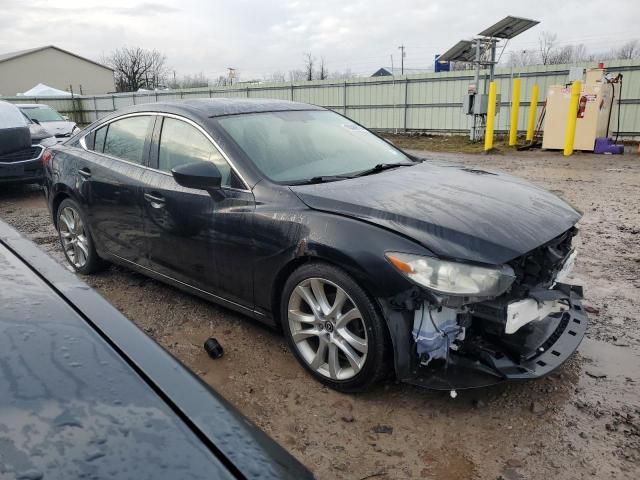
455 211
61 127
39 133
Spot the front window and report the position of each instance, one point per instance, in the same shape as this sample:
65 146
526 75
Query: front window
181 143
294 146
43 114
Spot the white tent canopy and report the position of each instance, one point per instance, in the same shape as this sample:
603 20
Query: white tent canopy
42 90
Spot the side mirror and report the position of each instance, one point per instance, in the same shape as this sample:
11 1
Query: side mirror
200 175
66 117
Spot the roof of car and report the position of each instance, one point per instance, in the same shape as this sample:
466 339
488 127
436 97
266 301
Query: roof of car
32 105
217 107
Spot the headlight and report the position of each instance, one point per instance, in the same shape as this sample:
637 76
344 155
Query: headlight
453 278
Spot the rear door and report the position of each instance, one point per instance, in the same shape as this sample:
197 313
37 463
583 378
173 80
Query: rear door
120 151
200 239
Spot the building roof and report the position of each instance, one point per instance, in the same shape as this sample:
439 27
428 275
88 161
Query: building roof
20 53
382 72
388 71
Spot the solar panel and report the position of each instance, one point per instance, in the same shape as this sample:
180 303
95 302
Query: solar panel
509 27
463 51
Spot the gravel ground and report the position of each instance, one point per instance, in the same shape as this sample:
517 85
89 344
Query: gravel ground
583 421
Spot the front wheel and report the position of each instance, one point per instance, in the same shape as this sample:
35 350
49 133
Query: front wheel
333 328
75 238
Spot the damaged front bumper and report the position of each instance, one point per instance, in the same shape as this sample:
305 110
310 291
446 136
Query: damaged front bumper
484 355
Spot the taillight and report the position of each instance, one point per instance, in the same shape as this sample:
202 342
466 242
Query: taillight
46 157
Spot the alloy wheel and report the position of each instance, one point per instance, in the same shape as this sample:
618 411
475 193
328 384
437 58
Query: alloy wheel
327 329
73 236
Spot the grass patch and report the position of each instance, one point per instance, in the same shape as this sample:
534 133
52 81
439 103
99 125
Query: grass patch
447 143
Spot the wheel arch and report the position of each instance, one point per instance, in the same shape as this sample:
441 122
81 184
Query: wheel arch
318 254
285 272
55 204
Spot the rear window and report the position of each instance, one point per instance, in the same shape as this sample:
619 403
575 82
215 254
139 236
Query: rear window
126 138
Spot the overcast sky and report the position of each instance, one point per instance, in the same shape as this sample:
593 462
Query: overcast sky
261 37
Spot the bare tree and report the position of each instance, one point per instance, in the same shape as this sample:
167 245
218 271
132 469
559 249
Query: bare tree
547 44
568 54
344 75
136 68
629 50
323 73
297 75
309 62
522 58
222 81
275 77
194 81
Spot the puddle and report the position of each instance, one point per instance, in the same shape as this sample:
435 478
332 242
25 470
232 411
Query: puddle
611 360
610 370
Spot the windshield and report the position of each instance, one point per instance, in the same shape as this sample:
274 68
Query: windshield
42 114
291 147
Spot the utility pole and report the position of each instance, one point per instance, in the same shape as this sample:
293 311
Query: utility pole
403 54
232 74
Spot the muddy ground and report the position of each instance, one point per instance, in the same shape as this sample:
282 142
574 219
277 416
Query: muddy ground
581 422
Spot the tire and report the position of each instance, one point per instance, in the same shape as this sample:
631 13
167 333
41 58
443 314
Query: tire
14 139
346 351
75 238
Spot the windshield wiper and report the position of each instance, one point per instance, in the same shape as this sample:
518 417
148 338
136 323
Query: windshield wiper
381 167
323 179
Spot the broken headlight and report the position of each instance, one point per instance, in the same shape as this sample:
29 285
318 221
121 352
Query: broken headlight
453 278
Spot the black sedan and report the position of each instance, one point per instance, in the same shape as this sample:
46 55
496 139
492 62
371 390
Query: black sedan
85 394
369 259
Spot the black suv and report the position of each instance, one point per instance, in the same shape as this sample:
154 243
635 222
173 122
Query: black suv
22 142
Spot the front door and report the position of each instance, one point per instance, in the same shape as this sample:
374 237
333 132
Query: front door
199 238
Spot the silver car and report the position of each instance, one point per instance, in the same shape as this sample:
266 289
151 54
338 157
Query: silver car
54 122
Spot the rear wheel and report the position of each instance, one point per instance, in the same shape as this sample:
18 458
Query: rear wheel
333 328
75 238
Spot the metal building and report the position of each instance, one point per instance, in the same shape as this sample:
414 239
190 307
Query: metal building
53 66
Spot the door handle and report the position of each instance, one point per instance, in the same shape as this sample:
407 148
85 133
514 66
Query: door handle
84 173
156 201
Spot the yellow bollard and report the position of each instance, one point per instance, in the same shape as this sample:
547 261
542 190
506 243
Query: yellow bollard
515 108
532 112
491 117
572 117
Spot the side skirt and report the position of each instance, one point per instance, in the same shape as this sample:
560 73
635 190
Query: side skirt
256 315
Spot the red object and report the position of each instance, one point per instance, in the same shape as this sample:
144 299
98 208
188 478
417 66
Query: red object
47 155
600 65
582 106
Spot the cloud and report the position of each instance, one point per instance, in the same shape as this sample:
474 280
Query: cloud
263 36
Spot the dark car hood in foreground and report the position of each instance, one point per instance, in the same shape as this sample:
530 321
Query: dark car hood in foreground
454 211
85 394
